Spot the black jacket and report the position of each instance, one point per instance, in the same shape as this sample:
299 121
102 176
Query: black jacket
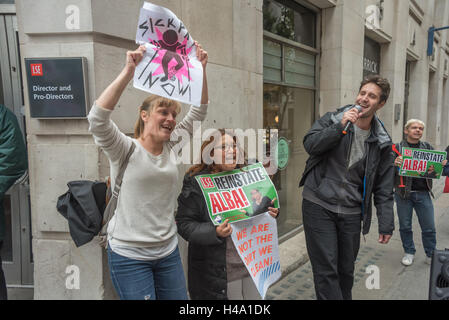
207 278
326 135
13 157
404 192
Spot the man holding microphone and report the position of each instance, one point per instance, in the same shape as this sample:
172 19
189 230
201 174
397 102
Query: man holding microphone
350 160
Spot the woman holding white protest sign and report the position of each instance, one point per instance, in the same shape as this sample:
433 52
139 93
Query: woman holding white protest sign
215 270
143 250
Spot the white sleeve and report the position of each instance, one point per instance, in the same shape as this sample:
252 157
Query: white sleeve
107 135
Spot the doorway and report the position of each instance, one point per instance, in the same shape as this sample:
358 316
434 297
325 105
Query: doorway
16 253
290 111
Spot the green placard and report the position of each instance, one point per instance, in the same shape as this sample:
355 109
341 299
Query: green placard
282 153
422 163
238 194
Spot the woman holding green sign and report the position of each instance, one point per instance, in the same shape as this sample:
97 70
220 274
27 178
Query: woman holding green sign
214 264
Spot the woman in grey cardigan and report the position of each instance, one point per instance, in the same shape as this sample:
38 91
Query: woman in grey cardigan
143 251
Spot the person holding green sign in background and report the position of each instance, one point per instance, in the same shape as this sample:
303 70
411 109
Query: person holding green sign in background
215 268
415 194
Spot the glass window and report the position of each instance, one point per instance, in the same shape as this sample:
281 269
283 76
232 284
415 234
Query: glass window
299 68
272 61
289 96
290 20
290 111
292 66
371 57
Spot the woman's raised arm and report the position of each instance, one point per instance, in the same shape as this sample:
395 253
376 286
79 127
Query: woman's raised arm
110 96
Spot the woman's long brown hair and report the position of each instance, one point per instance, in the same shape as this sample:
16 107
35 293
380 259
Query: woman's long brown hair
213 168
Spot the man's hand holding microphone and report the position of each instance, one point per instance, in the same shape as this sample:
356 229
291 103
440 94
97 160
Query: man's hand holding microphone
350 117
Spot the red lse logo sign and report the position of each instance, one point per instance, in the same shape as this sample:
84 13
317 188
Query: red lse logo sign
36 69
407 153
207 183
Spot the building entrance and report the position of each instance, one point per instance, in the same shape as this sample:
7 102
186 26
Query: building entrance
16 253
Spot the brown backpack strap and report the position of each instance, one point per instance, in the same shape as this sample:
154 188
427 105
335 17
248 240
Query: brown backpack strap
108 190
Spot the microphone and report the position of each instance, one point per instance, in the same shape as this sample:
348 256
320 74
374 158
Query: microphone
359 109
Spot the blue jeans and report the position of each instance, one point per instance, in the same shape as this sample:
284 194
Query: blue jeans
161 279
422 203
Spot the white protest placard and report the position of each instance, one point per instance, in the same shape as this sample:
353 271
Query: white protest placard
256 241
169 67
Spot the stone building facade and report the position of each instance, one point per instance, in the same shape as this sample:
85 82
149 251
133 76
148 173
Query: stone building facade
273 65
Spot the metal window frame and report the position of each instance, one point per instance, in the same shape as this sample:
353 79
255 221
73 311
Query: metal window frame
19 272
13 269
7 9
283 42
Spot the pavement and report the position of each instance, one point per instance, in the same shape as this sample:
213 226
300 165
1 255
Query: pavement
396 282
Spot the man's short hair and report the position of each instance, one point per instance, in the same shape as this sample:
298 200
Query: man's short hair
411 121
381 82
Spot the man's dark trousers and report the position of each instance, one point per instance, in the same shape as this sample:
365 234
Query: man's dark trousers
333 242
